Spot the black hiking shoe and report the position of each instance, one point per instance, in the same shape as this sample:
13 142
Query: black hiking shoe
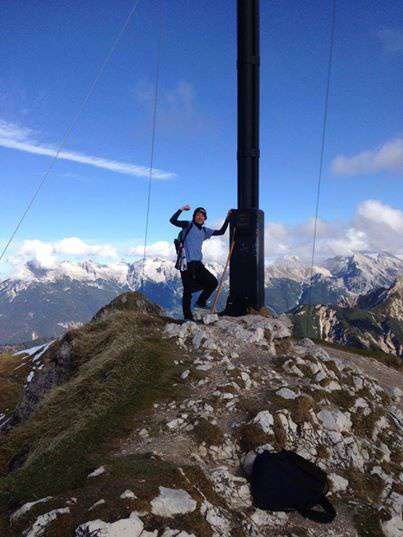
202 305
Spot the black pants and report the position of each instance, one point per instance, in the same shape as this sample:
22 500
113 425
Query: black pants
196 278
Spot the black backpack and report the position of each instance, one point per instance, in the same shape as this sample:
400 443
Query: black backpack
179 243
285 481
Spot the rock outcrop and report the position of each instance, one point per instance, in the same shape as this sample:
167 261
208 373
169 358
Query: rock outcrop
373 322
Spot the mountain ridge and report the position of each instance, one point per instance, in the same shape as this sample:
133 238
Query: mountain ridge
39 302
374 322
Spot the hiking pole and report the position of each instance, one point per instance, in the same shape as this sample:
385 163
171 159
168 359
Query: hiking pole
223 274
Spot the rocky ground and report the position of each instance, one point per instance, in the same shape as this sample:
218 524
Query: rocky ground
387 376
178 465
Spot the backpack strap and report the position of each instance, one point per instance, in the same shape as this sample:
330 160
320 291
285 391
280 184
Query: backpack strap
326 516
186 233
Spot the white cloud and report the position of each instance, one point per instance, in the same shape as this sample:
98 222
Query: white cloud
387 157
35 250
383 225
20 138
323 228
14 132
178 109
76 247
214 249
391 39
47 254
177 100
182 98
276 239
156 249
377 212
352 240
374 227
345 242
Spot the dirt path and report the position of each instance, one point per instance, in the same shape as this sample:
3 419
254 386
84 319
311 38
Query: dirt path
386 376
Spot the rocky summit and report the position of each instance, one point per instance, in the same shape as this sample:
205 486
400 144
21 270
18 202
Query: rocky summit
138 425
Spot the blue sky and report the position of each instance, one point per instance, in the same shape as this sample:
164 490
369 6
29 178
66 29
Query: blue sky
51 51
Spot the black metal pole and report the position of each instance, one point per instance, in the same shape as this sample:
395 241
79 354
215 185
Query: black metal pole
247 261
248 104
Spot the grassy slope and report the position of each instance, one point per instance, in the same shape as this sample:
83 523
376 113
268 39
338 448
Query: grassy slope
11 381
123 367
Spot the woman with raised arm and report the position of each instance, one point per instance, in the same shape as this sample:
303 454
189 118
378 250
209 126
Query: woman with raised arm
196 277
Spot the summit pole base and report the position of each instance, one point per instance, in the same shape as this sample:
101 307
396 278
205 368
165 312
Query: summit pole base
247 263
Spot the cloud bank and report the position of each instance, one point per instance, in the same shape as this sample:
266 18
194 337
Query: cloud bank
375 227
47 254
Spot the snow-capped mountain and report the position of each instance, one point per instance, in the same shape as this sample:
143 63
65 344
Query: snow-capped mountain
361 273
43 303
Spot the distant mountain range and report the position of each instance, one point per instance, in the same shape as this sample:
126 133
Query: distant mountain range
44 303
373 322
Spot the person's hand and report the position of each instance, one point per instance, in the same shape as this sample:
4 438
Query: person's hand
185 208
230 213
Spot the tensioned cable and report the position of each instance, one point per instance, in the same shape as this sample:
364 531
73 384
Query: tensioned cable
154 121
72 124
322 151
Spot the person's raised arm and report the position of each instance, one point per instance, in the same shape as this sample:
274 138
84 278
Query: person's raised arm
223 228
174 218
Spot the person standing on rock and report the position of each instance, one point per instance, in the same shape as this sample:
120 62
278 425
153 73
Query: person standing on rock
196 277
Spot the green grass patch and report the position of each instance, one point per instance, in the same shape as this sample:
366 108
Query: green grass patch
366 522
283 346
364 425
74 427
195 375
367 487
205 431
143 474
250 436
299 407
12 380
342 399
251 406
